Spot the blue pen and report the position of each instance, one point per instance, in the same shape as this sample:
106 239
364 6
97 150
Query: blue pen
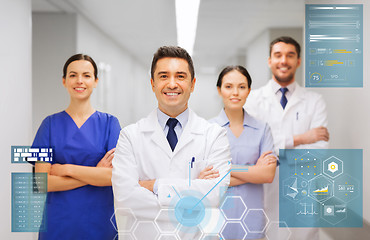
190 167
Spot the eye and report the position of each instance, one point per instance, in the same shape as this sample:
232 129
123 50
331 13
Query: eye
72 75
227 86
181 76
87 75
242 87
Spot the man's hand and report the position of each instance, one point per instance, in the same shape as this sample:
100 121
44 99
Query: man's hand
208 173
266 158
60 170
106 161
312 136
148 184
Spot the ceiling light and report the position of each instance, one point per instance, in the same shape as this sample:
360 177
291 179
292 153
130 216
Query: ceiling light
186 23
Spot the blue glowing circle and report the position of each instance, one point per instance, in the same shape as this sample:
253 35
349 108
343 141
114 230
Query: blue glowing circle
189 211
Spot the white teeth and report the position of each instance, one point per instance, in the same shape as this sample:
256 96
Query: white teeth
284 69
79 89
172 94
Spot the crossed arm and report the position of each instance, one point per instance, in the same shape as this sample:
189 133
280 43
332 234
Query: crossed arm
312 136
262 172
63 177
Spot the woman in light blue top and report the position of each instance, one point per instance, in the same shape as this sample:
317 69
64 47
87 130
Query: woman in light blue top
251 145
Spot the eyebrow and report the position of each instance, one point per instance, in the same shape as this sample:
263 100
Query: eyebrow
292 52
82 73
229 83
185 73
165 72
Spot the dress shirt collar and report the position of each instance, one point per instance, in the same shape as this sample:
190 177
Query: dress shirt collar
248 121
182 118
276 87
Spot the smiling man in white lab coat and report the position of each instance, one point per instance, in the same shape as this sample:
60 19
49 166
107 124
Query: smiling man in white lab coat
160 160
297 117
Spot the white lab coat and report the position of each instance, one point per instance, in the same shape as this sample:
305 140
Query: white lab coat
143 153
305 110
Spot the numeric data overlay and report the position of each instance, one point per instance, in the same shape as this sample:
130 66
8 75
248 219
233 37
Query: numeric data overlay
334 45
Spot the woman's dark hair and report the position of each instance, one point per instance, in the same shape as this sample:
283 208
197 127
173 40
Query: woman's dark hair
238 68
78 57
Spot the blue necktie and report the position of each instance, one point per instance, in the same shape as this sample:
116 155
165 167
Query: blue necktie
283 100
171 135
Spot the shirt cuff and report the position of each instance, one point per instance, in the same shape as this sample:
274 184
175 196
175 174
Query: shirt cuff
155 187
289 142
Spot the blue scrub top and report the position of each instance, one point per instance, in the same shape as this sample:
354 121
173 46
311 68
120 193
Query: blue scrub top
85 212
255 139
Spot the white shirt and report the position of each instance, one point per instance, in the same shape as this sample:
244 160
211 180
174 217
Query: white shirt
276 89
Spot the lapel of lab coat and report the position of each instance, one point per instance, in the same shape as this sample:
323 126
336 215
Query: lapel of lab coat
296 97
273 103
151 127
158 137
193 127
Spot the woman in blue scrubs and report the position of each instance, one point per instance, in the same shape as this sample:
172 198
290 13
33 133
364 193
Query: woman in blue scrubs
80 198
251 144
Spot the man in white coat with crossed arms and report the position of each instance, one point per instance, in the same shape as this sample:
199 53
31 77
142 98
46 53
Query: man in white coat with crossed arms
297 117
171 159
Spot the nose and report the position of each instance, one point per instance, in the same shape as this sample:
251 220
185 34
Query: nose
283 59
235 91
172 83
79 79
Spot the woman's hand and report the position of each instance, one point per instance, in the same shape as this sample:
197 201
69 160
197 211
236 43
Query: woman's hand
106 161
266 158
208 173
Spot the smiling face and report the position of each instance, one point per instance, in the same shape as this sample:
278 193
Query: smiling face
80 80
172 85
234 90
283 62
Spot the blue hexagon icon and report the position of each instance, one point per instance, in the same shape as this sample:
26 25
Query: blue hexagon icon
332 167
307 166
334 211
255 220
346 188
233 230
295 188
320 188
233 208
